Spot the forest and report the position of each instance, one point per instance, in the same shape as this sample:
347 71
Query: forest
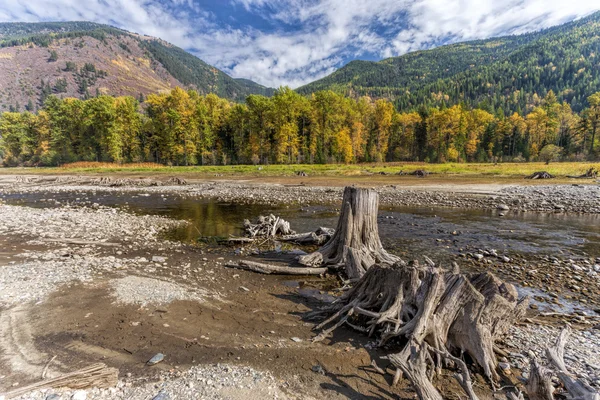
185 128
503 74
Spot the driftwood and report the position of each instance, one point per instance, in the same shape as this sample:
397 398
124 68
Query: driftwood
575 388
318 237
539 385
275 269
176 181
421 173
356 245
238 240
590 174
268 226
97 375
540 175
430 312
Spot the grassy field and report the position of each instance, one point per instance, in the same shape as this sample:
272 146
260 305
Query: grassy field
508 170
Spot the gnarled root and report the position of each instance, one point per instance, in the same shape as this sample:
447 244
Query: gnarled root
268 226
430 310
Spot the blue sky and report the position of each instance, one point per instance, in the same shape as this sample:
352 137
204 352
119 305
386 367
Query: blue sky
293 42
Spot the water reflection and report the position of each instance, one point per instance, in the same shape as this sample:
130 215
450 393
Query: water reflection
411 231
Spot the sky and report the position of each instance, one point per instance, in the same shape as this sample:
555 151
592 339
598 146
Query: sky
294 42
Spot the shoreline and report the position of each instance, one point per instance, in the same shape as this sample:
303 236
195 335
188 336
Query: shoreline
583 198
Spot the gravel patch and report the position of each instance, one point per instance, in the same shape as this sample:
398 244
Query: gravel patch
144 291
43 272
200 382
582 352
92 224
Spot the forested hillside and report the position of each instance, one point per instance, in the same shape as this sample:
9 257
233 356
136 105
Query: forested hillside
84 59
185 128
506 75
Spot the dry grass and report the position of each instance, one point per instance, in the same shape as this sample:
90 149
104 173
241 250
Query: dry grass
472 171
107 165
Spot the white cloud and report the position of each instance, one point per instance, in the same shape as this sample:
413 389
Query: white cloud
311 37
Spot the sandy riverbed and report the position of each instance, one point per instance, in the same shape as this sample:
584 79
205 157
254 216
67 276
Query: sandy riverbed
89 284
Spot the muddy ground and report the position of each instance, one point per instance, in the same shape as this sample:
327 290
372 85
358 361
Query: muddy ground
86 284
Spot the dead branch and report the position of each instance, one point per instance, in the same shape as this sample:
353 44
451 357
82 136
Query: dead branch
589 174
275 269
318 237
269 226
575 388
97 375
539 385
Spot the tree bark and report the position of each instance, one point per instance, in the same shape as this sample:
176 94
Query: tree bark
429 310
356 245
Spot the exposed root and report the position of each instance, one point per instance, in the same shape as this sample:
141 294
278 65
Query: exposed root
428 313
356 245
269 226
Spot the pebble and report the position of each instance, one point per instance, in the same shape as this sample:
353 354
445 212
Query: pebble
79 395
156 359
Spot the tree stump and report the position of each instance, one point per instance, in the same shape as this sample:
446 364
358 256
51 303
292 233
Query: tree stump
356 245
540 175
429 312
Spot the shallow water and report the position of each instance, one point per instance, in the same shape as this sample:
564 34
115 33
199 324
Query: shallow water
409 231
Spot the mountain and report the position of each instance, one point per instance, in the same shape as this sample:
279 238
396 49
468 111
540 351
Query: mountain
80 59
502 74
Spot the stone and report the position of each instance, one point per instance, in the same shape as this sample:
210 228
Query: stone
502 207
161 396
156 359
318 369
159 259
79 395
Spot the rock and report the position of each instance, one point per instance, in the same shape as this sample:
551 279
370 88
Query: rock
505 367
296 339
161 396
52 396
478 256
318 369
79 395
502 207
159 259
156 359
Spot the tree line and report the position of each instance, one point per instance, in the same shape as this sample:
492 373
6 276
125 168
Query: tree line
185 128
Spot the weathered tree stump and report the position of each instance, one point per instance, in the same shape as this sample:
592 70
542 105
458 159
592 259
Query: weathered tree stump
540 175
589 174
429 312
421 173
356 245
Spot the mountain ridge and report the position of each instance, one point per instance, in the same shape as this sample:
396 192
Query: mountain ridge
51 58
474 72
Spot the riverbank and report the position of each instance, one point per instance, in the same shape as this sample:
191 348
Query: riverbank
87 282
480 171
578 197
